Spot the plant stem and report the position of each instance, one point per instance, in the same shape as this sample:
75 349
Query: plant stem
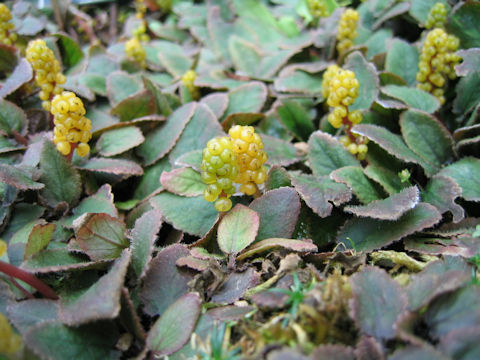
70 156
31 280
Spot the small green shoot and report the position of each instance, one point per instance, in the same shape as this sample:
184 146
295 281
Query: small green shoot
217 348
296 295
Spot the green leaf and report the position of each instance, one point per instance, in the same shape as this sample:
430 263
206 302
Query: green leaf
454 311
402 60
241 119
279 152
102 236
143 237
12 118
249 59
18 178
389 180
165 102
278 211
122 167
355 179
217 102
320 193
466 173
247 98
135 106
237 229
172 57
191 159
377 302
277 177
72 53
413 97
22 74
367 76
163 273
173 329
119 140
31 312
464 23
427 137
299 82
245 55
150 181
31 25
419 9
415 352
39 239
441 192
200 129
100 202
330 351
48 339
326 154
62 182
462 344
183 181
202 214
371 234
121 85
436 278
390 208
268 244
94 82
393 144
51 261
162 139
467 95
470 63
100 301
295 118
377 43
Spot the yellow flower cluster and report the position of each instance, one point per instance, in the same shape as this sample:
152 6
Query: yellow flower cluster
248 147
141 9
135 50
342 92
437 62
437 17
71 126
133 47
3 247
328 75
356 145
188 80
235 159
347 30
219 170
318 8
340 88
7 35
10 342
48 75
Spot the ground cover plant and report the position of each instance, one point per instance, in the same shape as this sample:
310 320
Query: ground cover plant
239 179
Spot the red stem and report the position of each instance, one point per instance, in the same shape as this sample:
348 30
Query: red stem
69 156
31 280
